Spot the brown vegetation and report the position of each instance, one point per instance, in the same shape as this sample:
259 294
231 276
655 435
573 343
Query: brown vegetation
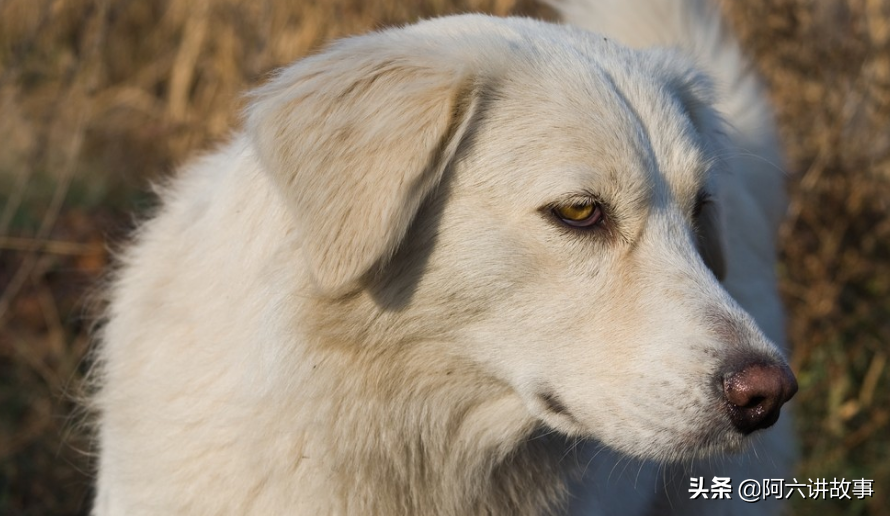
99 97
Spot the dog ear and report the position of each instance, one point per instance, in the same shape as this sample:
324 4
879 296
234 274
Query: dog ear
355 138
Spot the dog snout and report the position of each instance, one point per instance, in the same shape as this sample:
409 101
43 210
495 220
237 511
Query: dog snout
755 394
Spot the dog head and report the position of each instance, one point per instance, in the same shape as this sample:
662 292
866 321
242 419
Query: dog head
539 201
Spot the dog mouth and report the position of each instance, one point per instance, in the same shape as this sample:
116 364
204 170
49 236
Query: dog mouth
747 399
684 445
555 413
553 404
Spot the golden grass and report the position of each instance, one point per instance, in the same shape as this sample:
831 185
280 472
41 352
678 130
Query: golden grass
98 97
828 68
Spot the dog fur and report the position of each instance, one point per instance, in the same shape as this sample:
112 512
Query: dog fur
751 197
364 303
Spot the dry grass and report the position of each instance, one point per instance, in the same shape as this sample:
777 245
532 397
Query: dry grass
828 68
100 96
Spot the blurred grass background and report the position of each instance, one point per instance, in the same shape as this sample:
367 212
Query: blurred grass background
99 97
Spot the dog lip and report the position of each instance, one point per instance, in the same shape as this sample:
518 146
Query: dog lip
553 404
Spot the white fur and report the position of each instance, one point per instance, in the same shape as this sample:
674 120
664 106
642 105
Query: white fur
364 305
752 198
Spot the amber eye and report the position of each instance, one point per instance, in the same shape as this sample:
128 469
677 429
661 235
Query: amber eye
580 215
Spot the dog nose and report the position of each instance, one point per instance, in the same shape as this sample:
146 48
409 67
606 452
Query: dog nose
755 394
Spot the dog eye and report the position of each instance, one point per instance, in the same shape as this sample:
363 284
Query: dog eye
701 199
580 215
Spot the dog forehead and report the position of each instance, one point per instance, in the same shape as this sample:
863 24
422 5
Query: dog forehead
563 109
575 118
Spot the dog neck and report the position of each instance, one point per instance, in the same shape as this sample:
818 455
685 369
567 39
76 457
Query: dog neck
411 430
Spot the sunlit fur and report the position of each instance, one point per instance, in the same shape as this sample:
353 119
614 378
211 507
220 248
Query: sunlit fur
364 305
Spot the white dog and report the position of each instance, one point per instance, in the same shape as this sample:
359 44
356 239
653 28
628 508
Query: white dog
439 257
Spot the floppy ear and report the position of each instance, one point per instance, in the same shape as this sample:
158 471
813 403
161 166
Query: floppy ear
355 138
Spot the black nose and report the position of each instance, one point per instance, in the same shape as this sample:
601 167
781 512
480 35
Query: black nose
755 394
